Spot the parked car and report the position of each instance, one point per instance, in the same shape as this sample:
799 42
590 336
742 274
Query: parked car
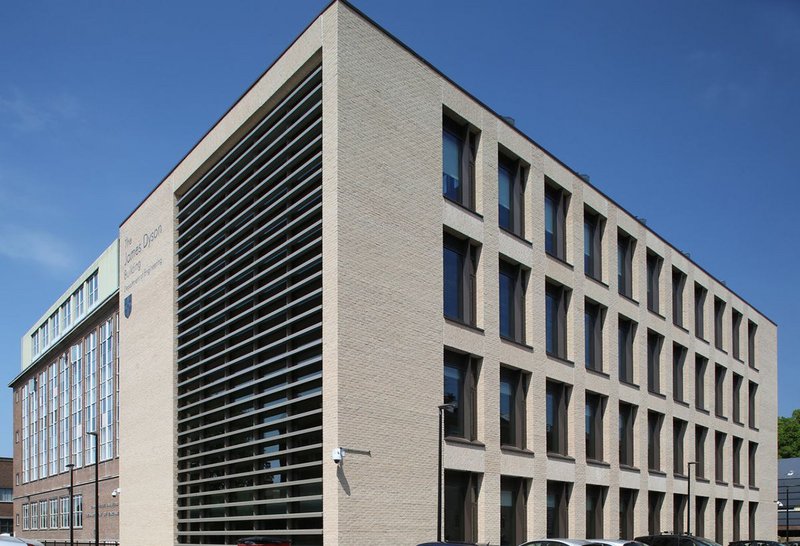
557 542
447 544
604 542
756 543
9 540
675 540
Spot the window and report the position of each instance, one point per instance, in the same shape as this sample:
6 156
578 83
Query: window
595 499
513 282
557 403
34 511
654 421
556 201
513 511
627 418
719 517
654 502
627 331
751 343
654 342
700 516
556 301
35 342
106 390
42 514
593 422
678 512
751 404
751 524
625 248
592 244
55 326
25 517
79 302
678 436
627 509
700 434
719 390
460 259
64 512
678 282
719 457
513 389
736 397
511 195
90 343
6 494
459 146
460 390
91 285
736 327
700 364
653 285
699 303
751 464
77 406
737 461
54 513
593 318
45 335
78 510
460 506
678 361
557 509
719 316
66 314
737 517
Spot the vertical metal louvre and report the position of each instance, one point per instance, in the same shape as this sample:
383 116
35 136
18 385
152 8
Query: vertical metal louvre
249 359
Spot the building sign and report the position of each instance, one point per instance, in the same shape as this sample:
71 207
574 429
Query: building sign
138 260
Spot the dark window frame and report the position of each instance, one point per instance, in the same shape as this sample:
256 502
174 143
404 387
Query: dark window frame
719 323
559 198
627 512
594 315
466 420
558 522
593 226
467 137
700 367
700 294
752 328
679 427
557 436
465 505
556 329
626 434
719 519
700 505
655 500
518 276
654 263
679 353
517 172
752 390
518 488
518 380
736 330
736 398
626 335
469 252
655 341
595 504
655 422
679 503
678 285
626 248
752 451
593 425
736 460
720 439
719 390
700 435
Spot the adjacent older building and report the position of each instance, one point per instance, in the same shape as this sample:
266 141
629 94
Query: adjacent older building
66 412
6 495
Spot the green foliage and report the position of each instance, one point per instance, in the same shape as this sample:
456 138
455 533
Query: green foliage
789 435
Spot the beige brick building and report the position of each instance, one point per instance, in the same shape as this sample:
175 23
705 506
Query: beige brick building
302 281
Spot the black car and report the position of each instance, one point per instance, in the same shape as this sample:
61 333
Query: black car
675 540
755 543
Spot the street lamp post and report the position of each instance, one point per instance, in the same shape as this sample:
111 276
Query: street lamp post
96 489
689 497
440 475
70 512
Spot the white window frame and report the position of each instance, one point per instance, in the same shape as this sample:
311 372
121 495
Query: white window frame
77 506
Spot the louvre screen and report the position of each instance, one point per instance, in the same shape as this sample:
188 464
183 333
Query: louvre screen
249 363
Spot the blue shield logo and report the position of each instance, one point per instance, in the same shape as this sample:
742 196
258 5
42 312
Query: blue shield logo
128 307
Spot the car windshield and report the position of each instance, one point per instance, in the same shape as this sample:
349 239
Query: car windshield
706 542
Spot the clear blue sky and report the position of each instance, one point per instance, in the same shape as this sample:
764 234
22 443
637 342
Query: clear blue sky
686 113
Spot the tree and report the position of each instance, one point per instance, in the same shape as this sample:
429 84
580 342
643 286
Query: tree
789 436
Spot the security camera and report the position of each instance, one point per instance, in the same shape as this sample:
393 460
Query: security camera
114 493
338 455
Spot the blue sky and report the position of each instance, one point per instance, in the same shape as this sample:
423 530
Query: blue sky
686 113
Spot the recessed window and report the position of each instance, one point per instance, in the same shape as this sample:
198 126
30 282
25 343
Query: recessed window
752 388
736 328
752 511
460 506
513 283
737 516
626 246
719 390
678 436
736 398
719 456
654 343
700 515
593 225
627 509
460 259
654 421
751 463
678 512
719 520
556 301
459 147
511 195
700 434
557 402
737 461
719 320
513 388
751 343
627 331
513 511
699 313
700 364
654 502
593 425
653 281
594 317
595 499
627 418
460 388
678 283
678 363
557 509
556 201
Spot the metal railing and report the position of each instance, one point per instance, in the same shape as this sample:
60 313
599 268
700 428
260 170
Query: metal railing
78 543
